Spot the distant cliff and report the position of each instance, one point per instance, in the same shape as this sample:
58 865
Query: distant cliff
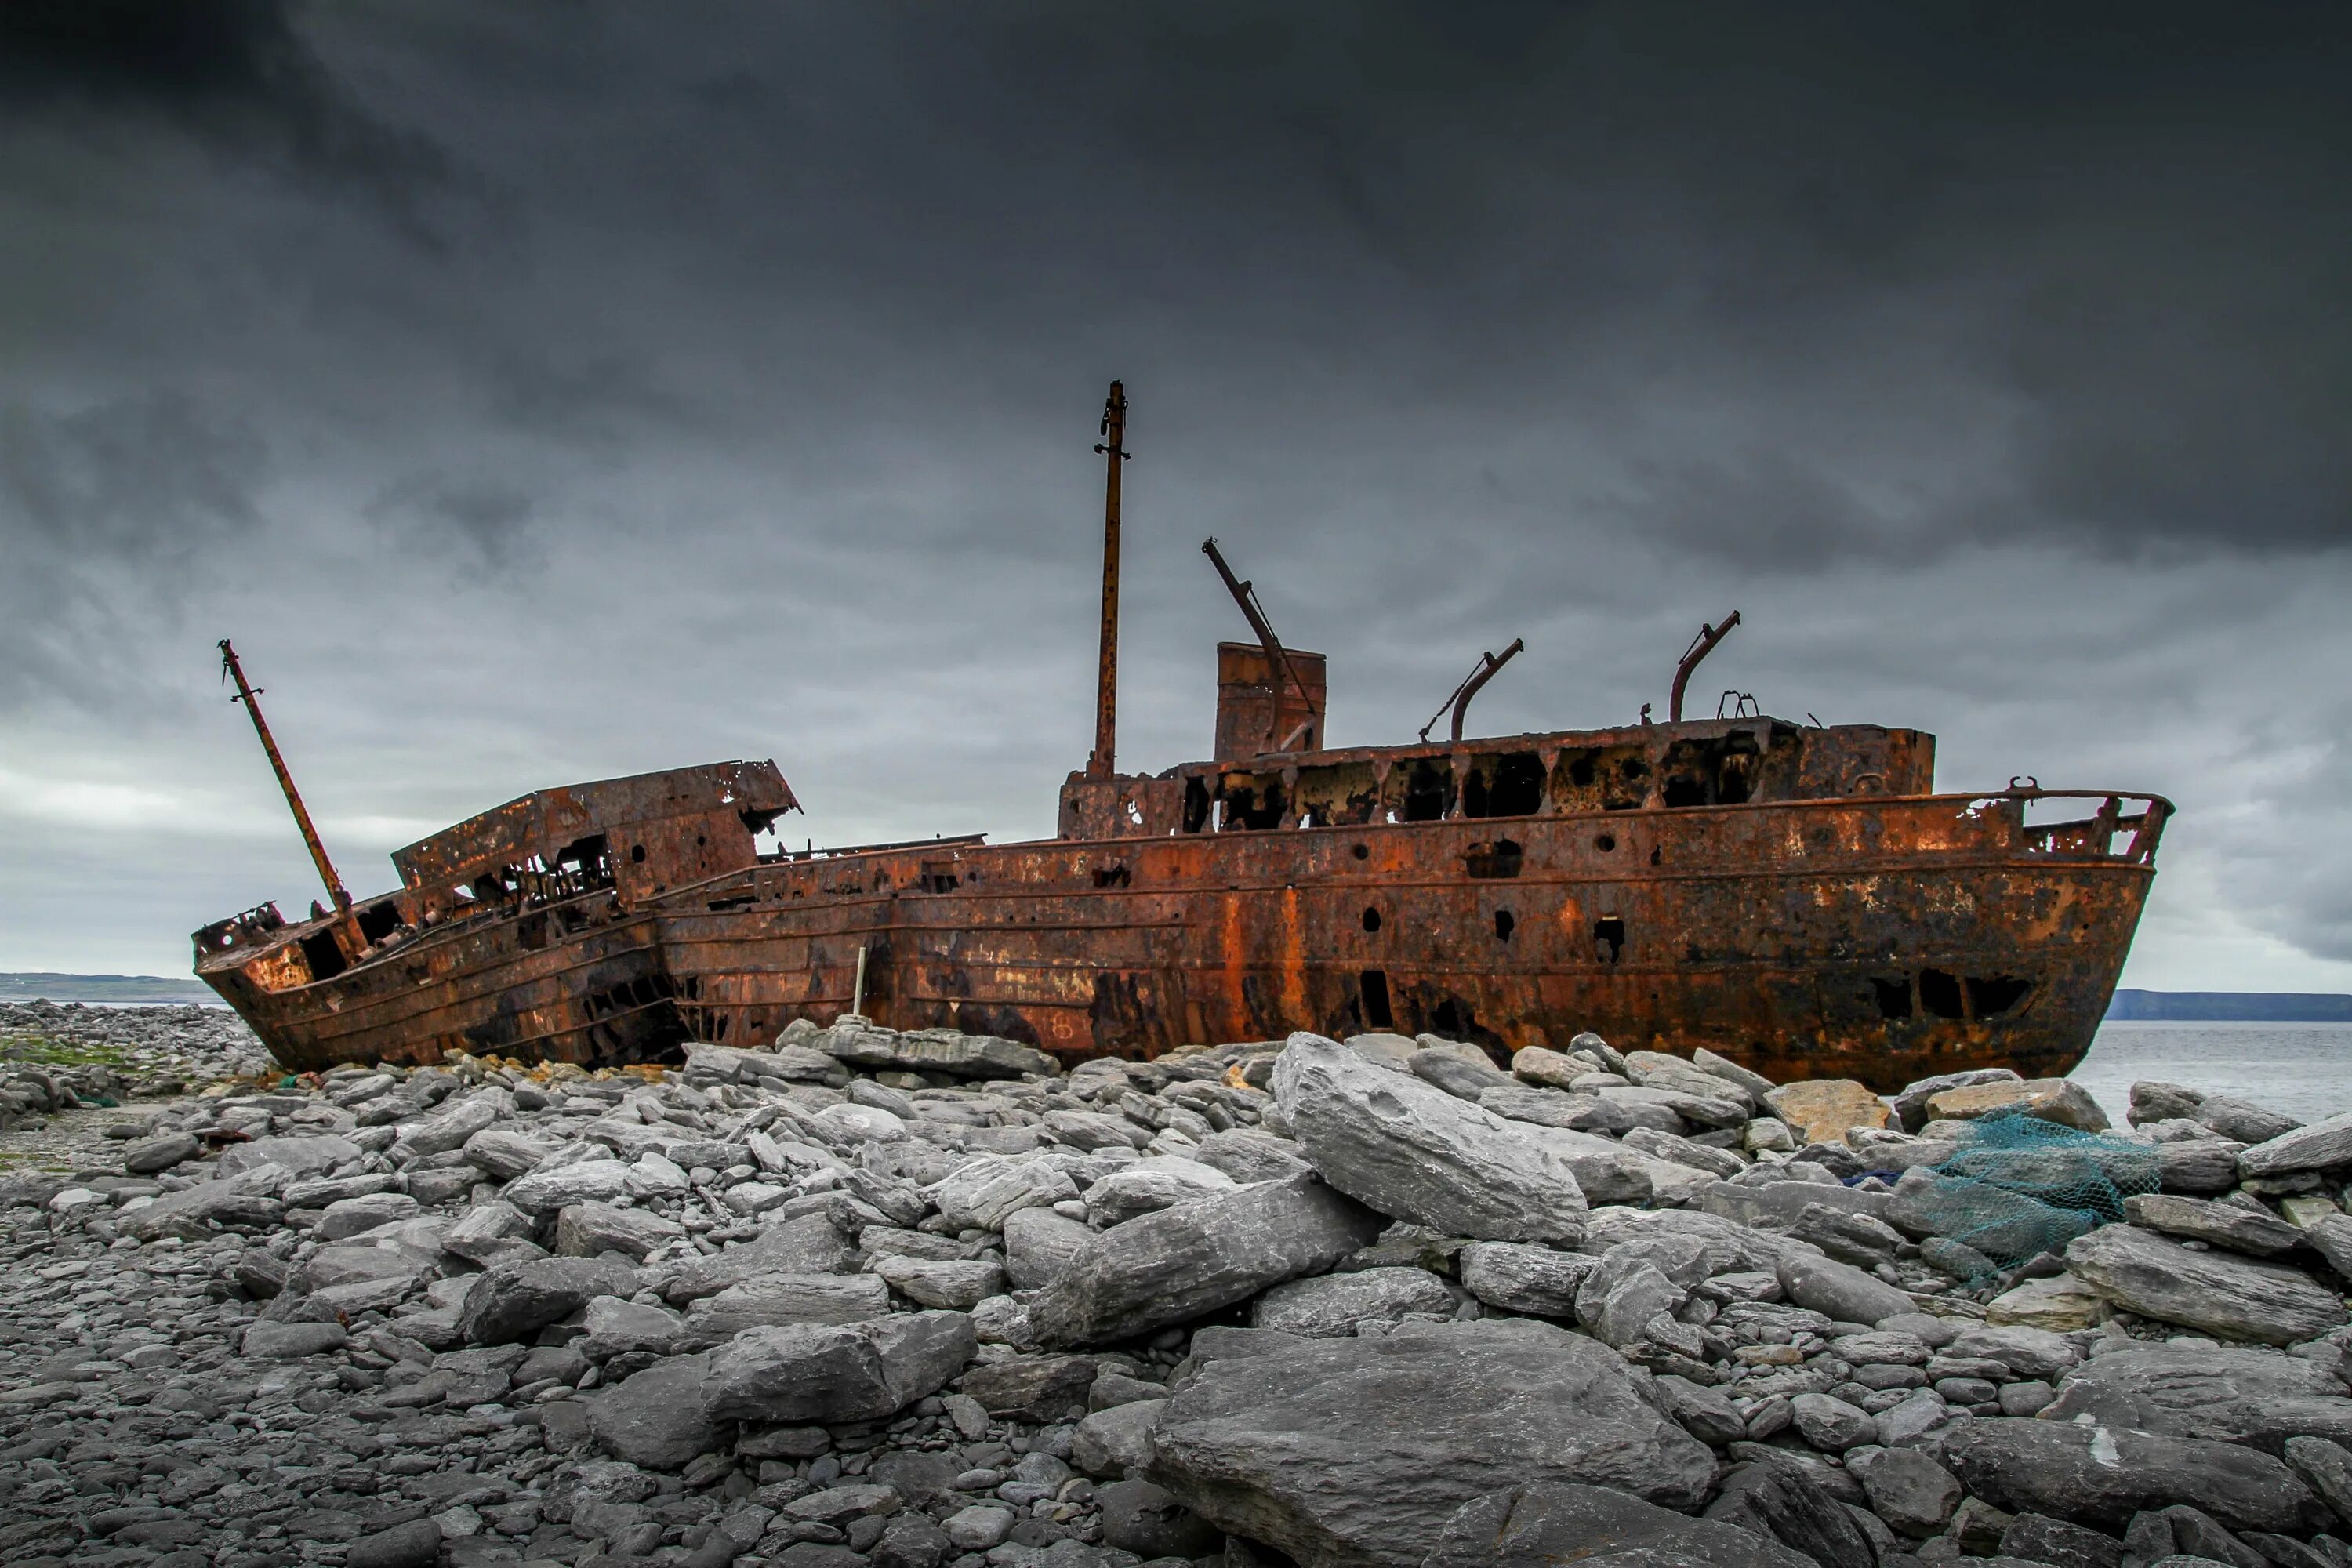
2261 1006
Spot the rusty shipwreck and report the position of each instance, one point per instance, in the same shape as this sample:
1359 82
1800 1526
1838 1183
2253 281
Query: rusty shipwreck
1799 897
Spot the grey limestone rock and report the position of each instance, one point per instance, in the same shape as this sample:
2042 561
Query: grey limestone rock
1330 1306
2319 1146
1148 1184
2259 1397
960 1284
1907 1488
1177 1263
1461 1075
416 1544
1911 1105
2038 1538
148 1155
1842 1292
2101 1476
2027 1352
809 1244
266 1341
2250 1229
509 1301
1248 1155
2233 1297
2197 1165
1040 1388
1110 1442
656 1419
2325 1467
502 1153
2241 1121
1519 1277
1358 1451
1038 1243
1554 1108
348 1218
1549 1522
1416 1153
617 1327
449 1127
550 1188
298 1156
766 1300
1790 1502
984 1192
833 1373
1831 1425
584 1230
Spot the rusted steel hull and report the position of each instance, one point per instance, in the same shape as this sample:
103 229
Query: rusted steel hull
1879 939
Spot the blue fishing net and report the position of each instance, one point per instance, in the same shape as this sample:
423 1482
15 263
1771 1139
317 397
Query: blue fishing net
2021 1185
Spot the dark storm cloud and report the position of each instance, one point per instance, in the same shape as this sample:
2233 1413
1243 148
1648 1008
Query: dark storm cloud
237 74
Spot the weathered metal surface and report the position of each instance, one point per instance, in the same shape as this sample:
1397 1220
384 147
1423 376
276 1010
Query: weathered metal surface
1797 897
1257 706
1879 937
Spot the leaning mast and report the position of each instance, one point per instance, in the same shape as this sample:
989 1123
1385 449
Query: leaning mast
246 694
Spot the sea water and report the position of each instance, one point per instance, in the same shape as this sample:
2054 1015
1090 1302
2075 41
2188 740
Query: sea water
2303 1070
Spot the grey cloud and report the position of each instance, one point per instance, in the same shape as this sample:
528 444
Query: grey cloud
1988 357
239 76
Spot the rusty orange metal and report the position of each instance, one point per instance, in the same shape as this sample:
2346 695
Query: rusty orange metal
1800 899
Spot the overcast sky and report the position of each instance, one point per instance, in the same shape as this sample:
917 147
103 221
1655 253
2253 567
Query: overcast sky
540 391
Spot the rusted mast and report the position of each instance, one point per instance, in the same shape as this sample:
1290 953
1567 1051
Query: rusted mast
1701 646
246 694
1113 445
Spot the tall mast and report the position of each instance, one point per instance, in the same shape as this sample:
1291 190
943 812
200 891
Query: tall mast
246 694
1114 432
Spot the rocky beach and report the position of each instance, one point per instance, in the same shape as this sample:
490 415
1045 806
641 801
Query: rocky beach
921 1300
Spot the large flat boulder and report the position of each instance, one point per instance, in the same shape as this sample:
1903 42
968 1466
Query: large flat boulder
1175 1264
2231 1297
2317 1147
1416 1153
1549 1524
1349 1452
862 1045
2250 1229
822 1373
1330 1306
2101 1476
766 1301
2259 1397
810 1244
2059 1099
1822 1109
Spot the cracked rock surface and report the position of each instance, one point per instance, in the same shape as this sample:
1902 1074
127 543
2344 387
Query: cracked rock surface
921 1300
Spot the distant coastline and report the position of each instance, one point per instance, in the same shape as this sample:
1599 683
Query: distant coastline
2231 1007
46 985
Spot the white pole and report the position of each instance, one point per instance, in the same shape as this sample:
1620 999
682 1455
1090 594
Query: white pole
857 997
